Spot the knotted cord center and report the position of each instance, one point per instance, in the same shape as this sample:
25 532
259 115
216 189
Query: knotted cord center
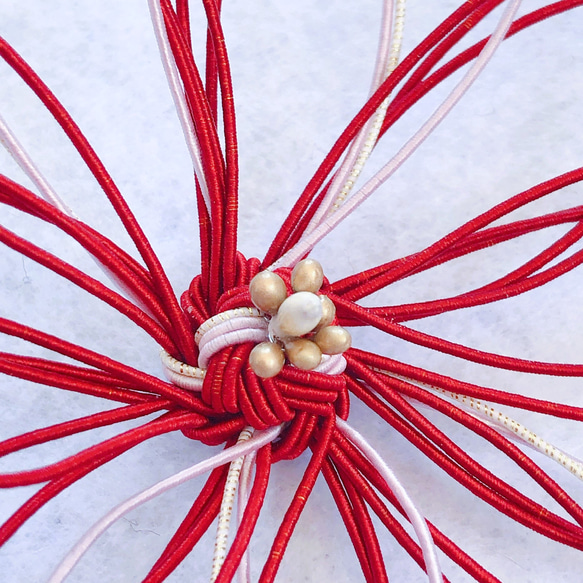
230 384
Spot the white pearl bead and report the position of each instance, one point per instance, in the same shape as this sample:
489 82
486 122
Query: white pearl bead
333 340
267 291
267 359
303 353
307 275
297 315
328 312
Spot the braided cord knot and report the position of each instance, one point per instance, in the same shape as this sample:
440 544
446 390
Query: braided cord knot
227 382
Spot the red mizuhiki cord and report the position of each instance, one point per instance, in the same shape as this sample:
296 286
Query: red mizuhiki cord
232 396
160 281
456 26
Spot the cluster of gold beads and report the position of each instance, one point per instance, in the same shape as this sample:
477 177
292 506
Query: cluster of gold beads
300 324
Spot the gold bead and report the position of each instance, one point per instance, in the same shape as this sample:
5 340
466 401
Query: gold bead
307 275
333 340
267 291
267 359
328 312
303 353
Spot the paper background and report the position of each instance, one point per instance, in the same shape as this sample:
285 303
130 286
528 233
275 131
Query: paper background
301 70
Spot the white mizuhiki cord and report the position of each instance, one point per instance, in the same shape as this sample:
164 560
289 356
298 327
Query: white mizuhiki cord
181 374
306 243
386 46
503 424
260 439
224 522
235 326
177 91
363 145
234 330
513 429
244 570
417 521
23 159
227 316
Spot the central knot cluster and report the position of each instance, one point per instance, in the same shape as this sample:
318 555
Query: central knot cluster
267 313
299 324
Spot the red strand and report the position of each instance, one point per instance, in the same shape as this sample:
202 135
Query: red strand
250 516
141 381
300 498
356 468
103 419
198 520
233 396
470 390
366 316
231 149
347 513
96 167
536 517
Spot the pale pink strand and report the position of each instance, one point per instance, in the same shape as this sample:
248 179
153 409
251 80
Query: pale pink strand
500 422
48 193
244 570
232 324
188 383
233 331
260 439
342 176
220 318
375 124
413 514
306 243
230 339
177 91
332 364
23 159
384 46
181 374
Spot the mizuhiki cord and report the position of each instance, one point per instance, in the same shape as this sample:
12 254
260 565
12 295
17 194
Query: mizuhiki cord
374 127
26 163
391 38
287 321
230 327
228 316
177 92
503 424
307 242
244 570
238 390
181 374
224 521
233 330
363 145
9 140
418 522
279 326
260 439
513 429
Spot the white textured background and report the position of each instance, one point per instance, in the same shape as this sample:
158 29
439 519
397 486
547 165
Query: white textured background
301 70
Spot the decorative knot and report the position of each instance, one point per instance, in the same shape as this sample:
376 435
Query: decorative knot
299 324
235 378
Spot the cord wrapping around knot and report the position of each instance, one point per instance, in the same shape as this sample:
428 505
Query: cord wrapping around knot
227 383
